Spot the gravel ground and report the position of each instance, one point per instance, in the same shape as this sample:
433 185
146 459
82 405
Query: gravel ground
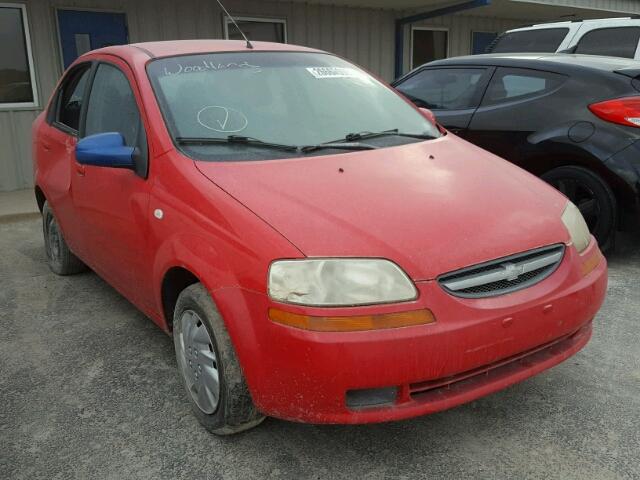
88 389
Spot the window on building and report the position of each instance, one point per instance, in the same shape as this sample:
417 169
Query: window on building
535 40
614 42
428 45
509 84
258 29
480 41
112 105
444 88
17 82
71 97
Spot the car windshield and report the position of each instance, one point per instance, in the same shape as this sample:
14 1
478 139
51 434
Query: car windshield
265 105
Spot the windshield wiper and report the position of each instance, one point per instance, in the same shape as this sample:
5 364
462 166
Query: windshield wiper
336 145
351 137
281 146
235 139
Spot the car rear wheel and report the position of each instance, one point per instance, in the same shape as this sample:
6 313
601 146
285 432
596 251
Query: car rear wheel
591 194
209 367
61 260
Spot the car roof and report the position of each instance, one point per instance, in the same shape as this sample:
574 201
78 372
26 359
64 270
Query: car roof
550 60
187 47
606 22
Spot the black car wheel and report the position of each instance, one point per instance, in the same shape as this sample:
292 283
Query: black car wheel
208 365
60 258
591 194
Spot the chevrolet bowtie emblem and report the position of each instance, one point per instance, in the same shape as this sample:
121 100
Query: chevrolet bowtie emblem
513 271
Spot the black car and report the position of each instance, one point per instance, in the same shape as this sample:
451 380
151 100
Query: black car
573 120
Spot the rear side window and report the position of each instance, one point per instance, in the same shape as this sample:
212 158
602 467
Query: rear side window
71 97
112 106
444 88
509 84
537 40
611 42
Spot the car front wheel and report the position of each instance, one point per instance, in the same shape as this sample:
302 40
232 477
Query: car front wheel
208 365
591 194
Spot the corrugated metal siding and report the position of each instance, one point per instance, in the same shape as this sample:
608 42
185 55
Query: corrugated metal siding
460 28
365 36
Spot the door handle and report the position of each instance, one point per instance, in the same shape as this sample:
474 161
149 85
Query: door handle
46 147
80 169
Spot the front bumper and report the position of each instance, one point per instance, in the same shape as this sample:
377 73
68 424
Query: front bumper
475 347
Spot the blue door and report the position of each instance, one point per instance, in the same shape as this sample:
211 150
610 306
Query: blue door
81 31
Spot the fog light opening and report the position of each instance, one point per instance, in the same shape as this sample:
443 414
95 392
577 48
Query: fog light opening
371 397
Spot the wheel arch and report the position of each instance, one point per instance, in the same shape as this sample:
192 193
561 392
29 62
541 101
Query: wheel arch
623 193
174 281
40 197
181 261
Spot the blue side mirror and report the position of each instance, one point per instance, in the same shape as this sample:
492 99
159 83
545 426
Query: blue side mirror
105 150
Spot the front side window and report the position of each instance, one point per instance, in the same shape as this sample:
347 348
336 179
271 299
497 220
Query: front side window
71 97
288 98
17 83
112 106
536 40
444 88
612 42
511 84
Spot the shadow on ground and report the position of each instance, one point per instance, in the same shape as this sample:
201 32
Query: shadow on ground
89 390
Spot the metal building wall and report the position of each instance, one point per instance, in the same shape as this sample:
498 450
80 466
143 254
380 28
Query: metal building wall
460 28
363 35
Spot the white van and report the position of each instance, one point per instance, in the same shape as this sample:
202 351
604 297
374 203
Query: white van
613 37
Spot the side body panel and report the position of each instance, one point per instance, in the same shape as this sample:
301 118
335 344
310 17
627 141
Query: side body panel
113 215
557 129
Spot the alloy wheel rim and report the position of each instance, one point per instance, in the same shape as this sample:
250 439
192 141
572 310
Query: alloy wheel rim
197 361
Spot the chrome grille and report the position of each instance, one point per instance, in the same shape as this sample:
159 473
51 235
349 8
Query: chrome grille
503 275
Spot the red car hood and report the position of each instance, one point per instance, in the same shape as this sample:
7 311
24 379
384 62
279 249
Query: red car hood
431 206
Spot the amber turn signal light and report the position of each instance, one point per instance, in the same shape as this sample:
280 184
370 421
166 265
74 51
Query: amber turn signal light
590 264
352 323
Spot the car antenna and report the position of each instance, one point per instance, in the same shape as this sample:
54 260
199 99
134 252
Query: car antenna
234 22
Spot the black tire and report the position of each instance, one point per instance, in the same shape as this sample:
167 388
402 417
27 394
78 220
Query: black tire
235 411
593 196
61 260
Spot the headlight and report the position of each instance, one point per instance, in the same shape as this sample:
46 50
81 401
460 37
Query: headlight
334 282
577 227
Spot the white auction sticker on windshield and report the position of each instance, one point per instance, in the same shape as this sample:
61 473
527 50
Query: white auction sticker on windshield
333 72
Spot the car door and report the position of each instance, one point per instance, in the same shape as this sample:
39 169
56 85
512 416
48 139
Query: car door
451 93
515 104
55 148
112 203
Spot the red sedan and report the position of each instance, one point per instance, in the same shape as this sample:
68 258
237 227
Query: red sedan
319 249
